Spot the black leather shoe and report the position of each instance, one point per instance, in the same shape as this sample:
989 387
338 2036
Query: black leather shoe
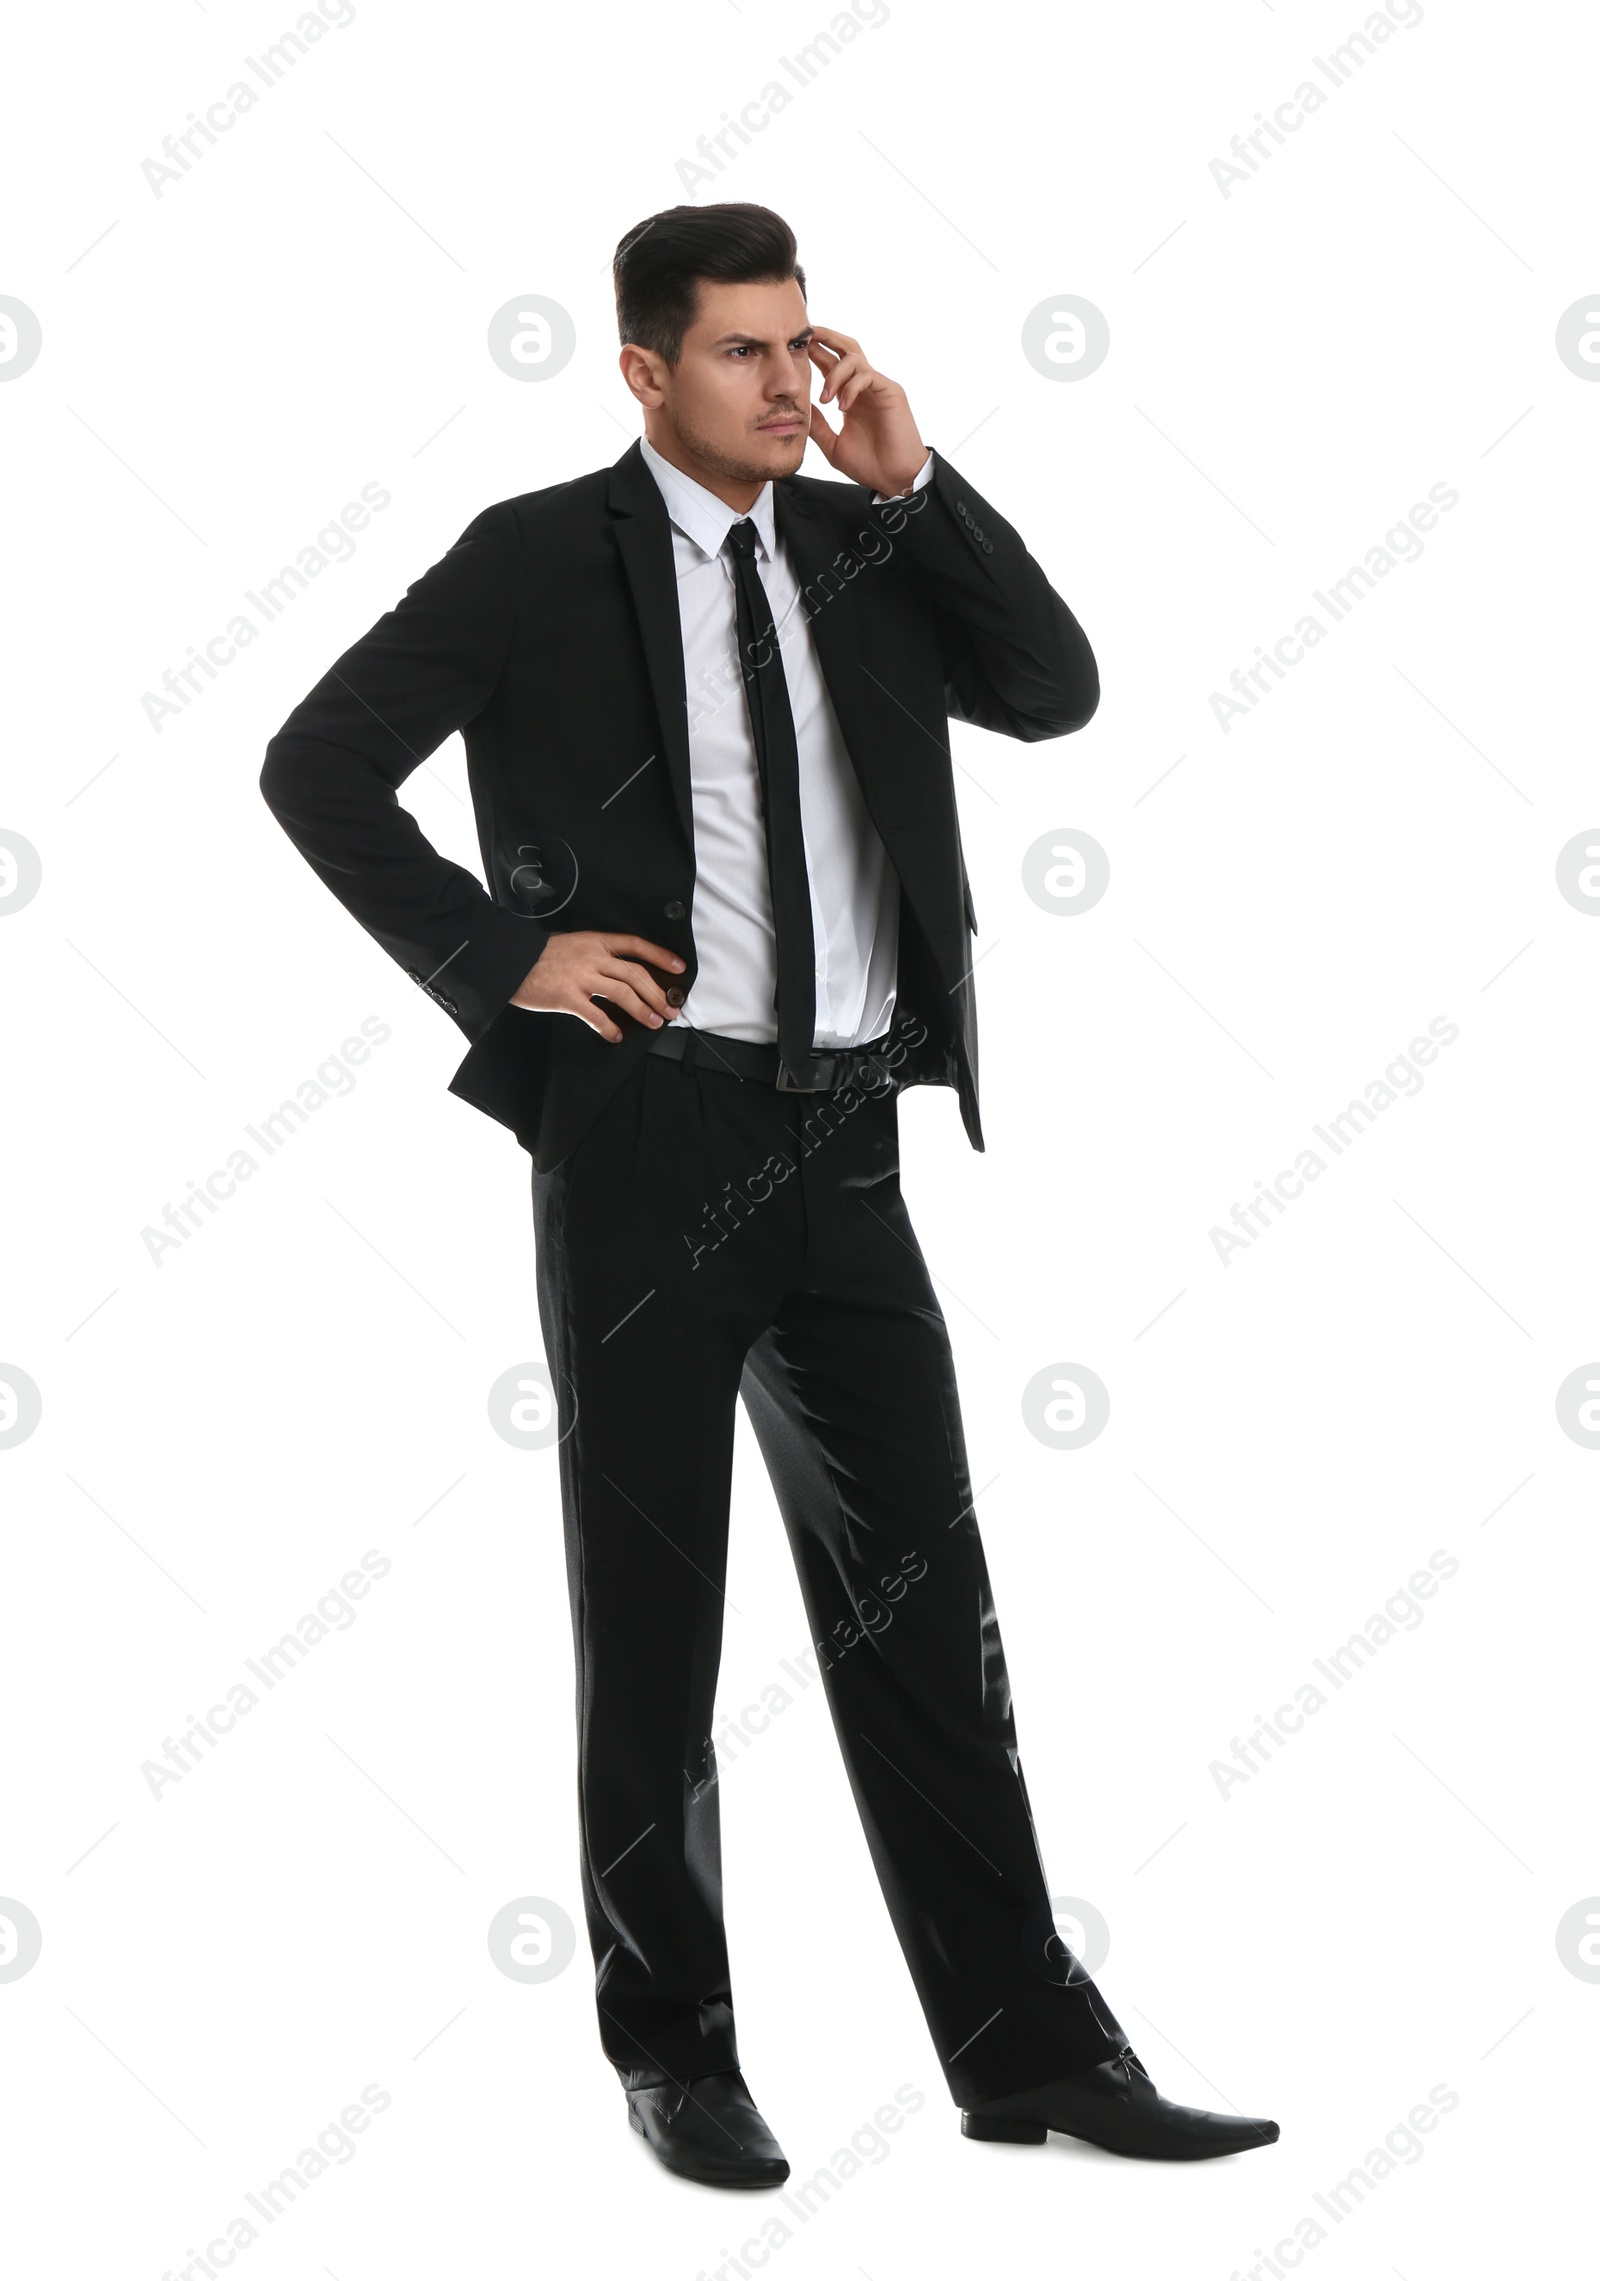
1115 2105
708 2129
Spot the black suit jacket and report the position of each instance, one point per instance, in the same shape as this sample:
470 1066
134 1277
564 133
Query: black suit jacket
549 636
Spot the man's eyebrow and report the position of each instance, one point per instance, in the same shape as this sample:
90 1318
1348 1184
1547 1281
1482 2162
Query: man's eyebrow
755 340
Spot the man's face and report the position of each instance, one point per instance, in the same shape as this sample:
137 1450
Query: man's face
739 396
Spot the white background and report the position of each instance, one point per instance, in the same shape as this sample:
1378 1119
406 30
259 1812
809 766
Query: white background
1291 1434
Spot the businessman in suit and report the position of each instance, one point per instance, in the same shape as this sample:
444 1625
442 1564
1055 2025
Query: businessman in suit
705 703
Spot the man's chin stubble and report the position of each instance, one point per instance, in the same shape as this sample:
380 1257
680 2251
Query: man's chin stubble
739 470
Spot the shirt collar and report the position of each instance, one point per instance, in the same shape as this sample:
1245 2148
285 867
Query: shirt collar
702 517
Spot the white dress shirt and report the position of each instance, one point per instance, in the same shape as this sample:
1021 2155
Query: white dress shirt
855 893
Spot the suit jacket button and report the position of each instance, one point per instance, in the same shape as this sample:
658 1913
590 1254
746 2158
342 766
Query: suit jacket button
673 993
672 910
988 546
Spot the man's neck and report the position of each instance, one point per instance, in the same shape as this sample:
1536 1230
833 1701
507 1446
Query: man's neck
734 493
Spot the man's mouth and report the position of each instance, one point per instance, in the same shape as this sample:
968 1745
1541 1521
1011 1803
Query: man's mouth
786 426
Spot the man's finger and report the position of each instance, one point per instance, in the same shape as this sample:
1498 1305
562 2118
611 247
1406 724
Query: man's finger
636 947
840 374
621 993
638 979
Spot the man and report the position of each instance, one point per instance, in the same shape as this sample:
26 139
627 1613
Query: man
705 703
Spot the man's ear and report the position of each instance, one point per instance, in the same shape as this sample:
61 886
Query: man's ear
641 374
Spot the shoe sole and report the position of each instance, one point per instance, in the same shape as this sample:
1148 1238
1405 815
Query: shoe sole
1034 2134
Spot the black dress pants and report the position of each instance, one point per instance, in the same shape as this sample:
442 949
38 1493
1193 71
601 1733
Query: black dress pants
712 1237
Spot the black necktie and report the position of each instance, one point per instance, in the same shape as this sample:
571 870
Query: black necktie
778 760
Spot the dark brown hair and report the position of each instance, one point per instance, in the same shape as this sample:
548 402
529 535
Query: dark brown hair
658 266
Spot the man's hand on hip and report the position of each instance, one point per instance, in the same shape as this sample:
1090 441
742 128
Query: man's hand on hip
574 969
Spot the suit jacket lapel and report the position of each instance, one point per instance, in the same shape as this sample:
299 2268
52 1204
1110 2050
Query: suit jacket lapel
644 539
828 598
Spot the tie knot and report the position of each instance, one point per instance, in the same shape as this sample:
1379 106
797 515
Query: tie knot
741 539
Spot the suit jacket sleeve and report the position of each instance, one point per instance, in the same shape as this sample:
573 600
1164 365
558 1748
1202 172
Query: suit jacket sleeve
427 668
1015 658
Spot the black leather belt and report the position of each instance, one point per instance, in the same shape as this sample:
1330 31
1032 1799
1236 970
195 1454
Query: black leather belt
760 1064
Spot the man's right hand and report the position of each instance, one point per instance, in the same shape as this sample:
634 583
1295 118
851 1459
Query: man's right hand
574 969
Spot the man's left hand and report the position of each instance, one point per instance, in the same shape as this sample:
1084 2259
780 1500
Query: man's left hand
876 441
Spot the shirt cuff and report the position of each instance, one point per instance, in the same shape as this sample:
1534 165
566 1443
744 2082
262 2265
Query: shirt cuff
924 475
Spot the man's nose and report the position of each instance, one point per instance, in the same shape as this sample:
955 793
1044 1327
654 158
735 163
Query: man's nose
789 387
